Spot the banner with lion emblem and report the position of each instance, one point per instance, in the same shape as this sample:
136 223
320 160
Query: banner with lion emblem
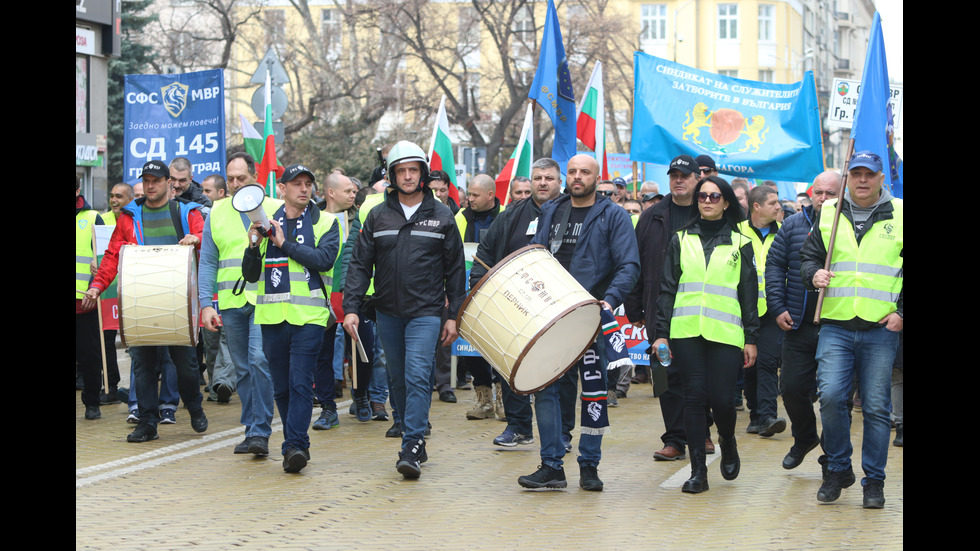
752 129
168 116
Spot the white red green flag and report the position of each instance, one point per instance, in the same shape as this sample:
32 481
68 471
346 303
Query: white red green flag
591 125
268 168
520 160
441 150
254 144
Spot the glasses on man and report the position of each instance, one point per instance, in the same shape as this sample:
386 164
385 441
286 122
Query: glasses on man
710 198
607 193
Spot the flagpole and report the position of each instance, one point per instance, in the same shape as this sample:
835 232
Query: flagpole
833 228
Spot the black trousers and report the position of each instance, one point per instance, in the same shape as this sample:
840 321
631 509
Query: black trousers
709 370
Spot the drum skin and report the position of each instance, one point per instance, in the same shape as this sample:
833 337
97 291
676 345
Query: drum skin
158 303
530 319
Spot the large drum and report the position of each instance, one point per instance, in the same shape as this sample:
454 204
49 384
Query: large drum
158 304
530 319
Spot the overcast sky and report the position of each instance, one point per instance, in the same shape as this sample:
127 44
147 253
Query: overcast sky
892 15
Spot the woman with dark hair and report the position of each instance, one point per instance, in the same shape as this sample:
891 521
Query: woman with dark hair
708 311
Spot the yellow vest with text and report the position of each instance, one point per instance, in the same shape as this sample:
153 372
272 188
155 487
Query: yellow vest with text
761 250
301 305
867 277
706 303
84 255
369 203
230 237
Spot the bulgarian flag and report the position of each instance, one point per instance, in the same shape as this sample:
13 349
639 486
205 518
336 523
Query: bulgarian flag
591 127
269 169
441 150
520 160
254 144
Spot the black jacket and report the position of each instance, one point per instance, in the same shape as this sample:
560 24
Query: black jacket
494 245
416 263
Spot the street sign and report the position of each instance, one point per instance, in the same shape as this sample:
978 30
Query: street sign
843 103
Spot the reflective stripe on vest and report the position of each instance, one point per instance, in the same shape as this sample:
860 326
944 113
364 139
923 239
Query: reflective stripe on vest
301 305
760 248
710 310
84 226
868 277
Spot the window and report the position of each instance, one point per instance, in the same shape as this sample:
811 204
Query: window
766 22
727 21
653 19
765 75
728 73
331 30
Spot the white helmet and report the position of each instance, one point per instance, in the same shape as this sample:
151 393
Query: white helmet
403 152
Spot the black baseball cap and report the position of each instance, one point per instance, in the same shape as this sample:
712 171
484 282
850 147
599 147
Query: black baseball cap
684 163
156 168
293 171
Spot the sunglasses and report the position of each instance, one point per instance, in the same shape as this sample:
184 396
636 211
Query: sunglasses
606 193
710 198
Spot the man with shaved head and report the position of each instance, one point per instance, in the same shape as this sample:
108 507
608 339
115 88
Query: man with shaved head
592 238
474 223
793 306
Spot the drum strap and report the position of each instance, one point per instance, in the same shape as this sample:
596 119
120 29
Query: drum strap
558 237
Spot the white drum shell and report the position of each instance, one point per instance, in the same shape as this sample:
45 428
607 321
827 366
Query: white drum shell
530 319
158 303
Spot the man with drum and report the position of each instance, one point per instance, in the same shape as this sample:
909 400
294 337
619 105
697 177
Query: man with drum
155 220
223 242
411 244
593 239
512 230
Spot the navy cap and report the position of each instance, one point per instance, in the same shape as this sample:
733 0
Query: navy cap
293 171
867 159
685 164
706 160
156 168
619 182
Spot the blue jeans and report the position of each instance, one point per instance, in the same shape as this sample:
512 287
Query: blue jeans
146 363
408 344
338 359
840 355
292 351
378 391
549 411
169 397
252 369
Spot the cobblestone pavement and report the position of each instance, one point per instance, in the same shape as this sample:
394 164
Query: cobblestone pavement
189 490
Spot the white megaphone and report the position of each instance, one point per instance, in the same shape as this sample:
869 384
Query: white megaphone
248 199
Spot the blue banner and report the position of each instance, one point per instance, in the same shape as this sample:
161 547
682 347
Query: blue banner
168 116
751 129
552 89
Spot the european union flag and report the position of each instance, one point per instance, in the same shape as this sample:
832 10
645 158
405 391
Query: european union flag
552 89
873 125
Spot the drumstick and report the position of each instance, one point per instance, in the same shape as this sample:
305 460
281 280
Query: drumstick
482 263
98 307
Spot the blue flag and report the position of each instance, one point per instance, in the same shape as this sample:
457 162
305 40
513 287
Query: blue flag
873 121
552 89
751 129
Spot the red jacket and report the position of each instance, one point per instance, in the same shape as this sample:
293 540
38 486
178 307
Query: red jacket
128 224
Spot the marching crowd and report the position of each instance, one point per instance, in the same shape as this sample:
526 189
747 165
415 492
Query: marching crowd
725 278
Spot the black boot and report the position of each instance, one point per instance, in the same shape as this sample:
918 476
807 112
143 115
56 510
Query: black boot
730 463
699 473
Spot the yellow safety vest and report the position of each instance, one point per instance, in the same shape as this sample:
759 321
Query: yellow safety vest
230 237
761 250
108 218
301 305
867 277
706 303
84 255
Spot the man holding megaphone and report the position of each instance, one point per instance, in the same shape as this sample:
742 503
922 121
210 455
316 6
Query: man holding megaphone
294 269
